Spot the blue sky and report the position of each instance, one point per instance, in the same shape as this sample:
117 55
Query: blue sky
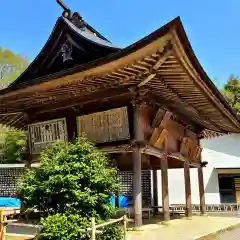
213 27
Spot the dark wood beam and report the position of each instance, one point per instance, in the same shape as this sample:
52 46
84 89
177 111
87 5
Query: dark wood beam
85 98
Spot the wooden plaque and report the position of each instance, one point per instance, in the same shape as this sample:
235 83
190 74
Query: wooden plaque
107 126
43 134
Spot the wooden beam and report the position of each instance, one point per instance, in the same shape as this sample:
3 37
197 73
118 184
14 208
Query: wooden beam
11 113
132 147
152 72
153 151
158 118
122 148
147 79
85 98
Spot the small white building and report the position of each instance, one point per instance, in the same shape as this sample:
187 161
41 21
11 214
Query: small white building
221 175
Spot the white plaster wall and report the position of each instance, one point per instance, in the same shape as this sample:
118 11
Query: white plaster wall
221 152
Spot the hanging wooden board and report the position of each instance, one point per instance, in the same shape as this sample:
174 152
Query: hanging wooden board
107 126
44 134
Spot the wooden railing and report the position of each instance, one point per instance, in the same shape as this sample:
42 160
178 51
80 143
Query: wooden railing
4 221
93 229
228 207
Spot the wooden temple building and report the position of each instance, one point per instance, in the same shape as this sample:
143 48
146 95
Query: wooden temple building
147 105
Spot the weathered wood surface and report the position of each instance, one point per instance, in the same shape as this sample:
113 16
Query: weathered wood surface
107 126
43 134
179 139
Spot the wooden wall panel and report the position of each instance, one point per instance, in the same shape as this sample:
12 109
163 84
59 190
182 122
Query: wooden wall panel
107 126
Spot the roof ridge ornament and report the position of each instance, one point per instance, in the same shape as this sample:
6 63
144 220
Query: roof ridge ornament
75 17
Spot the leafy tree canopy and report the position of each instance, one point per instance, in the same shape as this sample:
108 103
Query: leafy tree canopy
231 91
12 141
14 145
11 66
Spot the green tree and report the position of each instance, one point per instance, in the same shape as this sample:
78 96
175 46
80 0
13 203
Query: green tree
14 145
11 66
12 141
74 181
231 91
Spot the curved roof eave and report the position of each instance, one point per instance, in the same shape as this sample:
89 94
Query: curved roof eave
84 34
174 24
35 59
98 62
191 55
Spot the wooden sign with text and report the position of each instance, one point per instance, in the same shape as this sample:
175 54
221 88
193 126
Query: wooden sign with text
107 126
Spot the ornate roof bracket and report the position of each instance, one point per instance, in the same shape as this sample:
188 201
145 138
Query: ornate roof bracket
75 17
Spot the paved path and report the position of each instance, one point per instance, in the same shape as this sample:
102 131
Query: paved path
229 235
184 229
179 229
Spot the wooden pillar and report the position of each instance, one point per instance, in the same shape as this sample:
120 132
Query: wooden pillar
201 191
155 190
137 188
71 128
140 124
164 174
187 188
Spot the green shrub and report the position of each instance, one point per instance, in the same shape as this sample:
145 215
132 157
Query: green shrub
73 227
72 184
61 226
111 232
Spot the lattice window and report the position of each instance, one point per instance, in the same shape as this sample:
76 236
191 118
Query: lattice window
43 134
126 180
9 180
